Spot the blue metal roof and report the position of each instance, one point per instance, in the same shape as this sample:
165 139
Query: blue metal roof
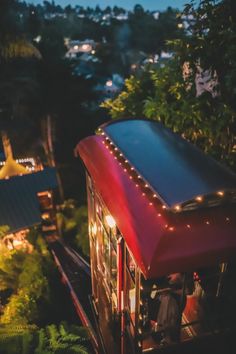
19 206
174 168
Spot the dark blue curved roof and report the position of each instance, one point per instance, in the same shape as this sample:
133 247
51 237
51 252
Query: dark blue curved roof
174 168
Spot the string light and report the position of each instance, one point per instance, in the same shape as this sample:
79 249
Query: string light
199 199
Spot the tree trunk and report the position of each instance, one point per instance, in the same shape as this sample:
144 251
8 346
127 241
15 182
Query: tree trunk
49 151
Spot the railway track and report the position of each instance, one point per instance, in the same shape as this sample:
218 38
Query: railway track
75 272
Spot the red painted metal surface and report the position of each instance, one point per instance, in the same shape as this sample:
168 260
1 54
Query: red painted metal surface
160 241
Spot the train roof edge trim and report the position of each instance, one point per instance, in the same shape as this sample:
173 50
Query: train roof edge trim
161 241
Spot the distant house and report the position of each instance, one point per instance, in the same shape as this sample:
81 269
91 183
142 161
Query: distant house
77 47
26 199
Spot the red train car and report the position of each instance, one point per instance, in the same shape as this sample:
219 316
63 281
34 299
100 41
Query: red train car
162 238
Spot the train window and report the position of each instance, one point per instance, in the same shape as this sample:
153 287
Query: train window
113 268
130 264
130 288
106 252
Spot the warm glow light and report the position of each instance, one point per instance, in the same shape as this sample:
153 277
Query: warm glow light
94 229
227 219
177 208
85 46
199 199
220 193
171 228
110 221
146 185
154 196
163 207
109 83
132 168
207 222
188 226
159 214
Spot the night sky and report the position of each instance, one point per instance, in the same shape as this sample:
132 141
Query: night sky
127 4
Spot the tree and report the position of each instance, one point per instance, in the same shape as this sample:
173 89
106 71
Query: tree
207 120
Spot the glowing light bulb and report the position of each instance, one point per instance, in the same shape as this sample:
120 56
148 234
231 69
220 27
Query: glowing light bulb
110 221
199 199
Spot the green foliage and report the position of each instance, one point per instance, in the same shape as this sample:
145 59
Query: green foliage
212 43
16 339
3 230
130 101
208 120
26 339
72 222
32 288
11 263
27 276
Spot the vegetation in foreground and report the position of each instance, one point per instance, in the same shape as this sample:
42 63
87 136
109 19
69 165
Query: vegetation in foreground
72 222
30 304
